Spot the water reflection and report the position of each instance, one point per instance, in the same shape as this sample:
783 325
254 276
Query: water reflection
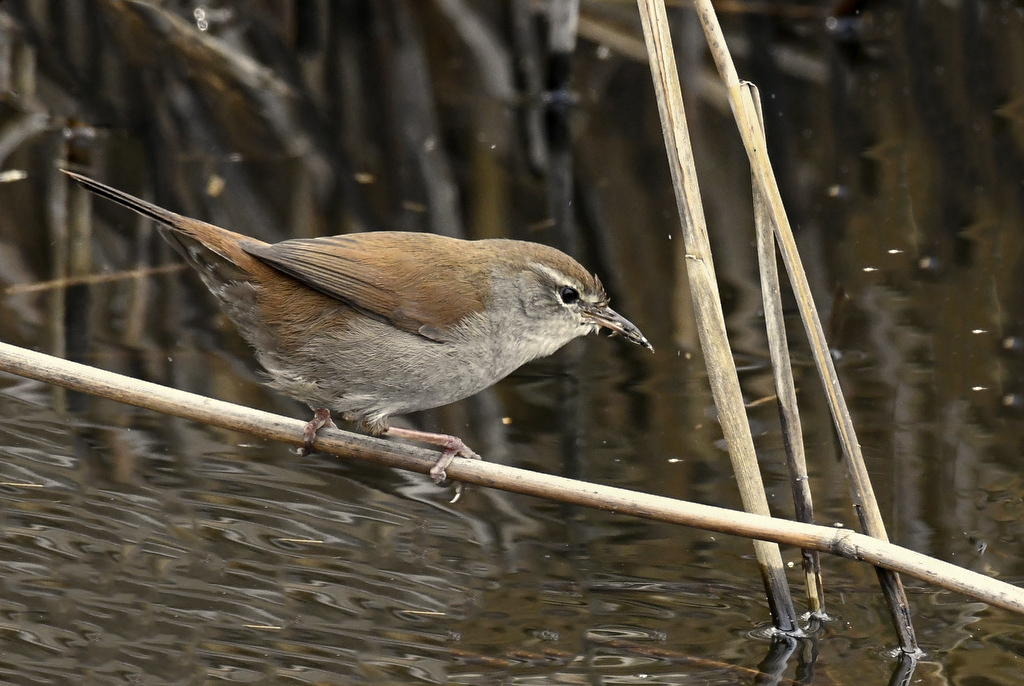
135 546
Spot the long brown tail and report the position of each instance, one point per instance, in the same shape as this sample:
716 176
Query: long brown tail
221 241
235 277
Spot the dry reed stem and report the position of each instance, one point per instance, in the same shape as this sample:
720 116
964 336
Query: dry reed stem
837 541
722 375
865 504
785 387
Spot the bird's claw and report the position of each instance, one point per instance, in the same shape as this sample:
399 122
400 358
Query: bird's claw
452 449
321 418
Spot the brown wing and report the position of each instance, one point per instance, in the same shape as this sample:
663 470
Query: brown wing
422 283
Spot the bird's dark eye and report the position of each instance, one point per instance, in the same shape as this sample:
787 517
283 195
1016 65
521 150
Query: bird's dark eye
568 294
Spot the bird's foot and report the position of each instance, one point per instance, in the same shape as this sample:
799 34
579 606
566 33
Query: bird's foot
451 447
321 418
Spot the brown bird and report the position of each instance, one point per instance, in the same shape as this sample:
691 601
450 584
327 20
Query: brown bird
371 325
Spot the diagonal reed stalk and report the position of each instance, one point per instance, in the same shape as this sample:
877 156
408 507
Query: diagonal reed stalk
843 542
722 375
746 115
785 387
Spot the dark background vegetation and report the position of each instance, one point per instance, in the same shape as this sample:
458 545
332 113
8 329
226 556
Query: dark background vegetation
143 549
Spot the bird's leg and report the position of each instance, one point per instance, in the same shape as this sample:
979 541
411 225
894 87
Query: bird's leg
451 446
321 418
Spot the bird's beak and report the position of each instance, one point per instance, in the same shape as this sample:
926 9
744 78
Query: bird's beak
616 324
